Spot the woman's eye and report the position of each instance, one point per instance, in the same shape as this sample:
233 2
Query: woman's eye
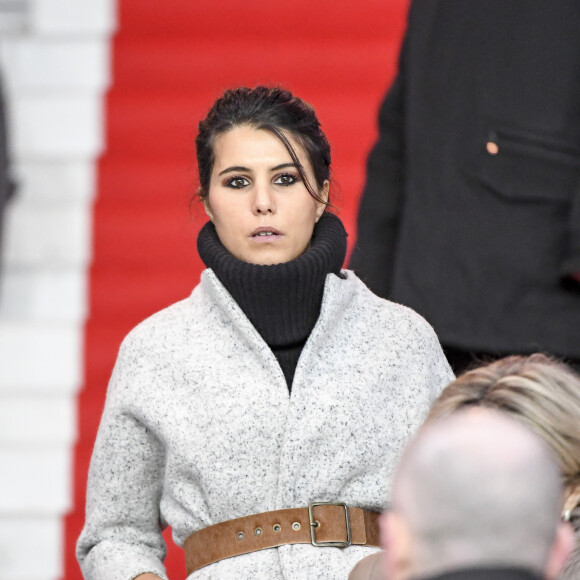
237 182
285 179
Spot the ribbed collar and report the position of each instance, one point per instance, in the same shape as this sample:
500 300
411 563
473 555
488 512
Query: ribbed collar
281 301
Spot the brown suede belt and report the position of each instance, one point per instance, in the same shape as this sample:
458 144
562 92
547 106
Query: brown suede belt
320 524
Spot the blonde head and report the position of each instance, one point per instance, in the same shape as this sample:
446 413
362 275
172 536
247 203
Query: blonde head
537 391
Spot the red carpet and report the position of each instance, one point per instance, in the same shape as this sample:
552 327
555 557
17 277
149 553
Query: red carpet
171 59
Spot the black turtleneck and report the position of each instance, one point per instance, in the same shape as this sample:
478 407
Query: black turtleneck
282 301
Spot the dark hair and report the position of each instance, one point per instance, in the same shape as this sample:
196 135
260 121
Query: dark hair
272 109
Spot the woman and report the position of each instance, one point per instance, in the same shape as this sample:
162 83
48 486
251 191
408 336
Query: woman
281 381
541 393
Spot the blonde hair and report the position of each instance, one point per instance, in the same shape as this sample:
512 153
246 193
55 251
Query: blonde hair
538 391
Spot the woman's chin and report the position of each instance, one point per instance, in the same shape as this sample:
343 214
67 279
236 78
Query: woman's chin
267 261
268 257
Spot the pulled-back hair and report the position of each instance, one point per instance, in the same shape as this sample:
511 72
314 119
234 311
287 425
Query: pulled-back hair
272 109
538 391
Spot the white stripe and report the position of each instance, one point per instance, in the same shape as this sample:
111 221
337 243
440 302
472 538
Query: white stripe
55 71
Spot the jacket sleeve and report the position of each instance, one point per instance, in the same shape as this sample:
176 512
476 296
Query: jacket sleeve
382 198
122 534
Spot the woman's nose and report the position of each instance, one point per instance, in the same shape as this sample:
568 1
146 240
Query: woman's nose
264 201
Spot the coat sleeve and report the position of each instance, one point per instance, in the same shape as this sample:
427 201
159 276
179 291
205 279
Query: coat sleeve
382 198
122 534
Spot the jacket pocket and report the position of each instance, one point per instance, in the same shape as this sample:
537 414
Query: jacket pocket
525 166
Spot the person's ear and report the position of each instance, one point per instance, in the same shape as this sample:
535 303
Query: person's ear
396 541
324 196
571 501
206 204
560 551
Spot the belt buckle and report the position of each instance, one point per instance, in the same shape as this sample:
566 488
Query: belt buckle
314 524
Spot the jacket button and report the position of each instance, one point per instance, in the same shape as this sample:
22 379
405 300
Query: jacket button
492 148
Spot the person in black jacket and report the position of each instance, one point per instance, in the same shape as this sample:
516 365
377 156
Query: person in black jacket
471 210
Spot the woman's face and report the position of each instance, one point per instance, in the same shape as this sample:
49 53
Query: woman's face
260 207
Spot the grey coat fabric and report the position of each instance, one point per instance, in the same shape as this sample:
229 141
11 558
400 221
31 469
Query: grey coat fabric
199 427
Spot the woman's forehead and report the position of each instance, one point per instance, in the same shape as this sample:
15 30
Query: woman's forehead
244 145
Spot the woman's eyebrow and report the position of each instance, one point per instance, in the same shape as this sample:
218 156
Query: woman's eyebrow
282 166
242 168
234 168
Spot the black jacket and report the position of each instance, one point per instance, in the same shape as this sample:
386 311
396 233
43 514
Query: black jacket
471 211
495 573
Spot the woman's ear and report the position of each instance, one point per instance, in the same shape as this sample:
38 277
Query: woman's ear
324 196
206 204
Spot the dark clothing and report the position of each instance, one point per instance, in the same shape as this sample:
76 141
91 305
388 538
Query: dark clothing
462 360
471 211
6 185
281 301
492 573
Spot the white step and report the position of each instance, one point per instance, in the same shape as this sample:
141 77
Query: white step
40 358
43 294
52 235
27 420
56 63
73 17
55 125
55 181
31 548
35 481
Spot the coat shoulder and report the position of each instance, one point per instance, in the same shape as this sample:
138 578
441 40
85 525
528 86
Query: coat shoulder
395 314
164 327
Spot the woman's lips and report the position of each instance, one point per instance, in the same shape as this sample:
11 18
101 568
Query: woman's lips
265 234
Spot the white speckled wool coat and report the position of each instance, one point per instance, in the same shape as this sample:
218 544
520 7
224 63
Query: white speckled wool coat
199 427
